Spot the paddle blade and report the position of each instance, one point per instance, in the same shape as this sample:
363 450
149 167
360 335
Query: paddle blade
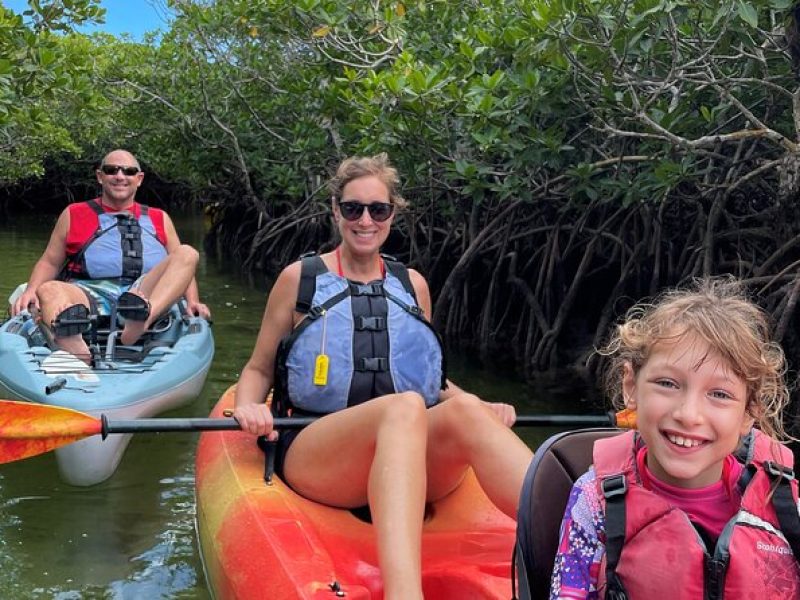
626 419
28 429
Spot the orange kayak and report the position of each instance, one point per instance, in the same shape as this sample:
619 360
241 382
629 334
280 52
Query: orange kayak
260 541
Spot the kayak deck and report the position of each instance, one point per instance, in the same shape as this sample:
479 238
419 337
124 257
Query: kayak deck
260 541
167 369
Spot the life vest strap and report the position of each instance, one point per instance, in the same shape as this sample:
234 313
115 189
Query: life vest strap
372 364
362 323
784 503
399 270
614 488
310 267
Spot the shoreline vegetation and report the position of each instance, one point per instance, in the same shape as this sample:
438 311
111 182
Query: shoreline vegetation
563 159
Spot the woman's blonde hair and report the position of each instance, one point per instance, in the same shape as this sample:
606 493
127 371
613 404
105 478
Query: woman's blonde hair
367 166
717 311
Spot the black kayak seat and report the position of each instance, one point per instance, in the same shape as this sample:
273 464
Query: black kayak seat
555 467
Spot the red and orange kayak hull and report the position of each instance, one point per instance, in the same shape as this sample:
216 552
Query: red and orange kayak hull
260 541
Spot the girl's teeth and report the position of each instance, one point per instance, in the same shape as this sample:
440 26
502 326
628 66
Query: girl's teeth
682 441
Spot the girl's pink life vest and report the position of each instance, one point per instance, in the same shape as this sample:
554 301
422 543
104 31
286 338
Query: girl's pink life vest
653 551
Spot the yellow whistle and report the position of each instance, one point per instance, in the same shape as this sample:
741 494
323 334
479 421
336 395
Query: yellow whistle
321 370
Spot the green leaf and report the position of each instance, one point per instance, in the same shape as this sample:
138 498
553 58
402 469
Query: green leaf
748 14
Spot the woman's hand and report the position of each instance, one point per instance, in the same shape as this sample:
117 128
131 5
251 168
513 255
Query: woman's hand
505 412
255 419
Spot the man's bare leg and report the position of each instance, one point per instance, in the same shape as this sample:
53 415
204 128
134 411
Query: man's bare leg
162 286
54 298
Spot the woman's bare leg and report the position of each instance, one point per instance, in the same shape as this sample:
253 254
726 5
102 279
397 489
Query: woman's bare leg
378 450
465 432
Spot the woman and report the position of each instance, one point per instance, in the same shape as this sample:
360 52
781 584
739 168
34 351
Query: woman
388 430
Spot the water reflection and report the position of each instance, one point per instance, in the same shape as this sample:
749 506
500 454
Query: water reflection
131 536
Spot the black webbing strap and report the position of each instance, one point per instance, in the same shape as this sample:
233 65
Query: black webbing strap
310 267
784 504
371 363
399 270
312 314
76 265
614 489
131 247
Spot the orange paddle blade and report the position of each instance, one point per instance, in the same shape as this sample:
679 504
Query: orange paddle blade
28 429
626 419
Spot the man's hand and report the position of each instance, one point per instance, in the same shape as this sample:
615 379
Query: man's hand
198 309
27 301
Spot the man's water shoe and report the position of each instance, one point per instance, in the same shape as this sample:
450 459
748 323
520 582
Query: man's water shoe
131 306
73 320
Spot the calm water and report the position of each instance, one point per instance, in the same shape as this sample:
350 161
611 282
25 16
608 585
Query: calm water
133 536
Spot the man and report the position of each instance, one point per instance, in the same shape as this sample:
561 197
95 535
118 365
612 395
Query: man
111 250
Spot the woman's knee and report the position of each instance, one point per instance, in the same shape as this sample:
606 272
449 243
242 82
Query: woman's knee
465 413
405 409
466 405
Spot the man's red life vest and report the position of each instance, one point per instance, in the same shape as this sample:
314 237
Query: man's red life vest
659 553
104 244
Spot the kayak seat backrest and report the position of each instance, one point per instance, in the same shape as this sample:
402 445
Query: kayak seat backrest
555 467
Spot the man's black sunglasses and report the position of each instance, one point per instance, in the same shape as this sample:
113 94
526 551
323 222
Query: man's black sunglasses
113 169
378 211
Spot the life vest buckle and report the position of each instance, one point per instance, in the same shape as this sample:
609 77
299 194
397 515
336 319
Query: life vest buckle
366 289
778 470
315 312
615 485
372 364
370 323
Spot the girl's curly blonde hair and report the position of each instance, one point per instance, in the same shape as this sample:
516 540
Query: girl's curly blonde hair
717 311
363 166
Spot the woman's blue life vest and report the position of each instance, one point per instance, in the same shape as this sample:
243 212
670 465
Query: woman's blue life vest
121 248
357 342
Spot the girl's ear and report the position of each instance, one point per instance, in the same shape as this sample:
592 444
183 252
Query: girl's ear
749 419
629 386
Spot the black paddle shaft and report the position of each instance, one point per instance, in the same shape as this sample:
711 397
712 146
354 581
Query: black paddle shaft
565 420
199 424
190 424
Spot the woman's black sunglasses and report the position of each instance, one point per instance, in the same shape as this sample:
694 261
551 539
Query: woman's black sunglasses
378 211
113 169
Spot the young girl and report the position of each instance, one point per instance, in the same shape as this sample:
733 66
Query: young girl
698 503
